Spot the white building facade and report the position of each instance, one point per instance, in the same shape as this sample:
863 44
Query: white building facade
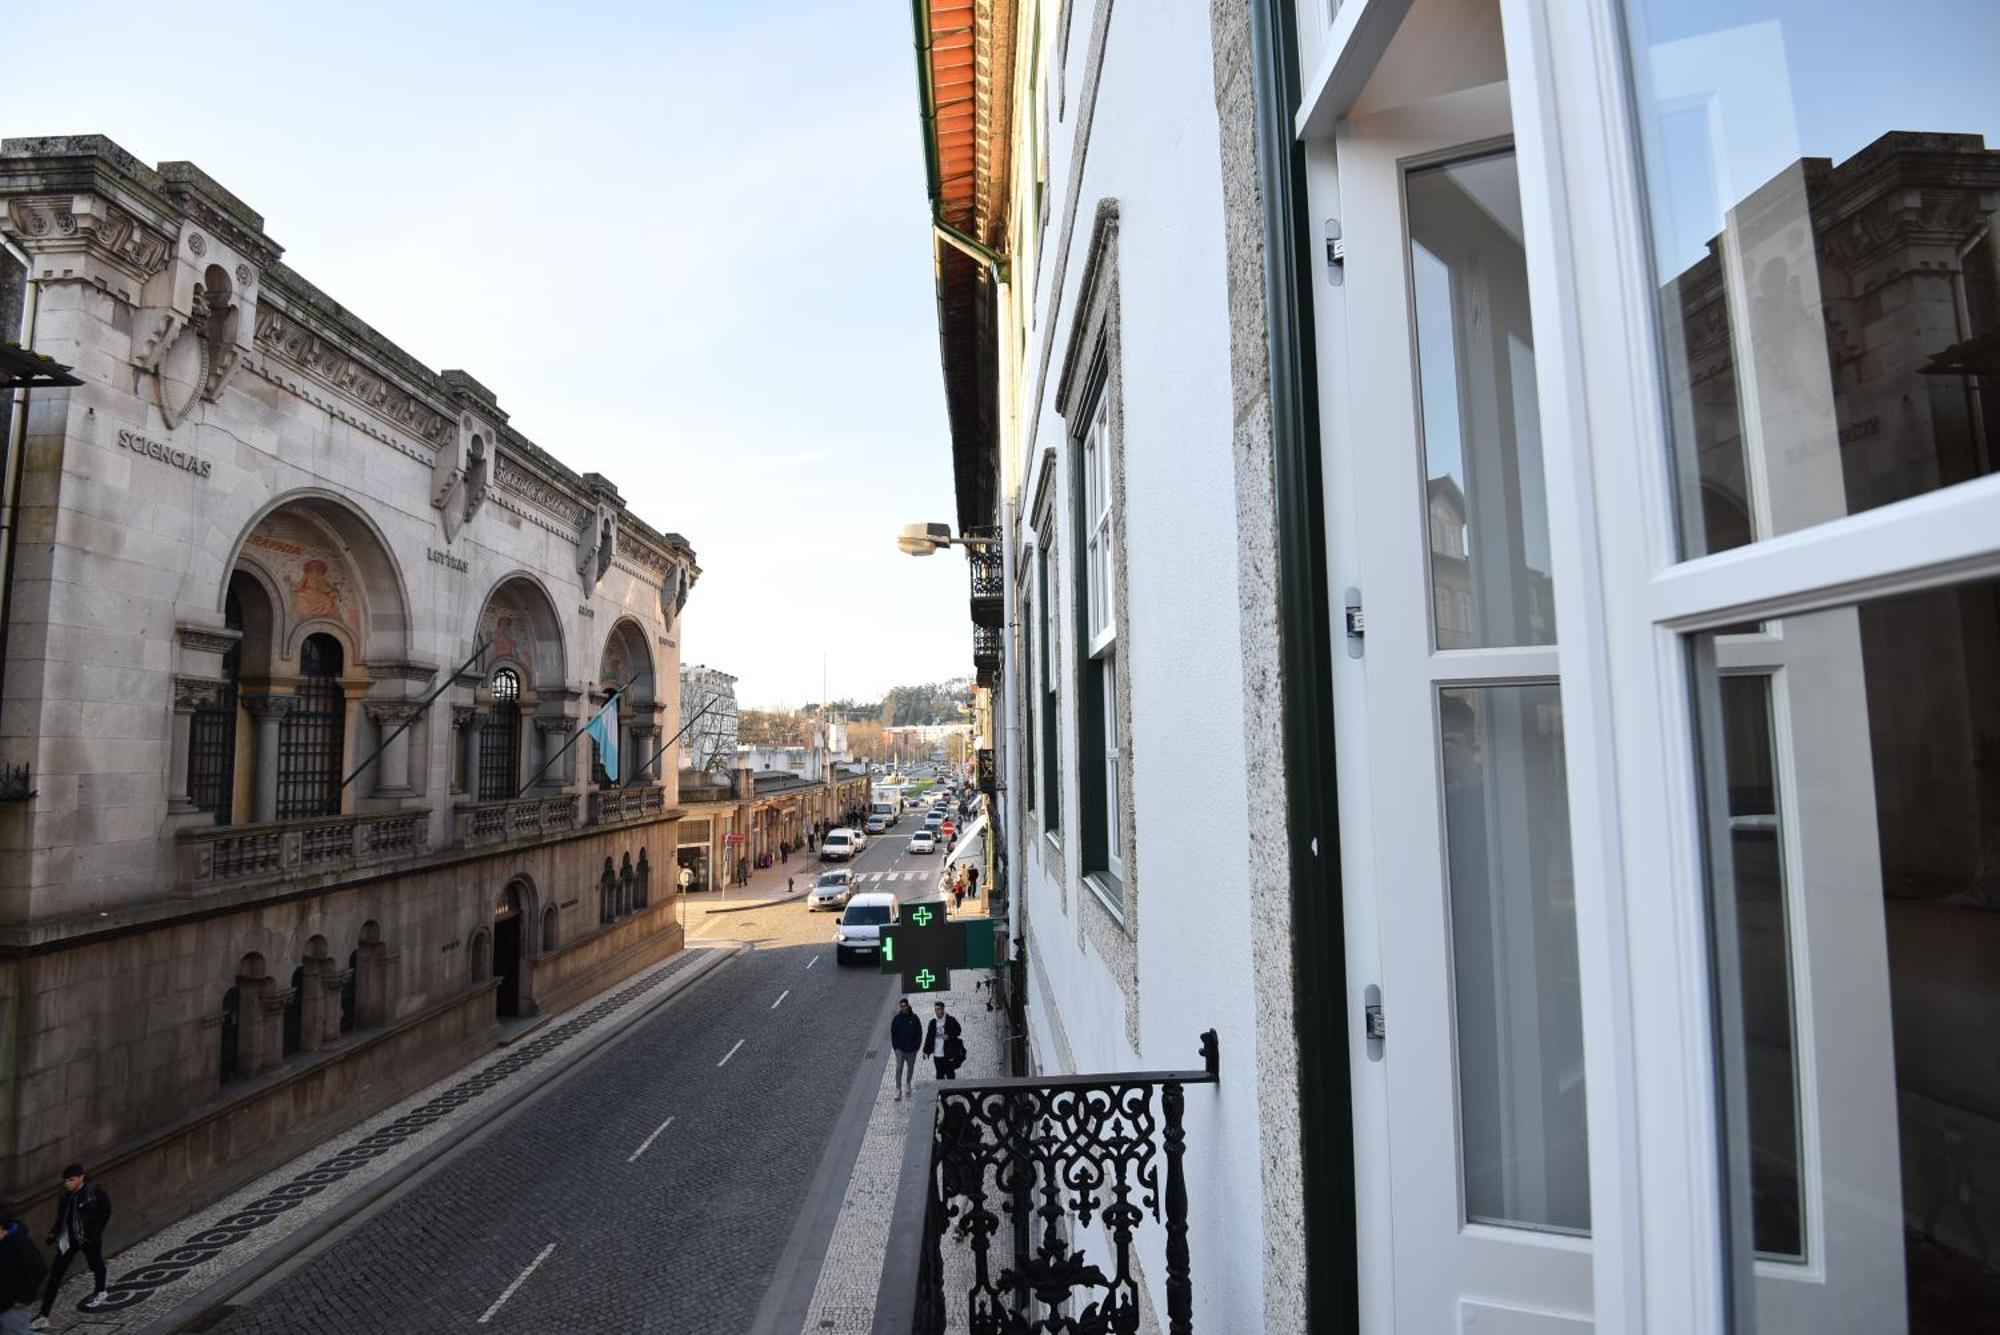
1503 598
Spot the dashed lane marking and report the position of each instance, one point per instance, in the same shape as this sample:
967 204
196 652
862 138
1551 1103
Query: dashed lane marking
731 1053
645 1145
781 998
814 960
519 1280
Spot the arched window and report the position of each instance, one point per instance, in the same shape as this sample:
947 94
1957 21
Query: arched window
500 741
212 731
550 920
232 1029
312 736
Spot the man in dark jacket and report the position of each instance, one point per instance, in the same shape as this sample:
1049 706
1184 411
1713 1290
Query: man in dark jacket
21 1272
82 1211
906 1039
942 1042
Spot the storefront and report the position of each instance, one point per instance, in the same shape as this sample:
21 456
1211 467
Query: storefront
1658 357
694 853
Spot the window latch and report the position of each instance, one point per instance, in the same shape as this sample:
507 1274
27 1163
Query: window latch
1357 622
1336 253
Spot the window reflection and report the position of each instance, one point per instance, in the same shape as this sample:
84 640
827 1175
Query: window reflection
1822 194
1862 1029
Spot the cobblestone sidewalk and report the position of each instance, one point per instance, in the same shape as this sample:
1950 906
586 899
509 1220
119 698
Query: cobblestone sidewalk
843 1302
153 1277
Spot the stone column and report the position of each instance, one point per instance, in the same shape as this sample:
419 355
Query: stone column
190 694
645 738
474 723
556 730
268 711
392 767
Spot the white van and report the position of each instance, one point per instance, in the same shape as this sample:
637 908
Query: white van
839 846
861 923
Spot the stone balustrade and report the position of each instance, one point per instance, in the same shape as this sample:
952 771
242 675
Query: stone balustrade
609 806
212 857
476 824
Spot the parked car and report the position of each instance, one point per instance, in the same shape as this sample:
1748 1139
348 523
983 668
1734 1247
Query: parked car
832 890
861 922
923 841
839 846
876 824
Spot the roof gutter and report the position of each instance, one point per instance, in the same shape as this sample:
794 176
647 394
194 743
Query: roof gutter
997 266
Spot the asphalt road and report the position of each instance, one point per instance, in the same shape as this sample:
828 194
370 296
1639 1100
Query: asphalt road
651 1189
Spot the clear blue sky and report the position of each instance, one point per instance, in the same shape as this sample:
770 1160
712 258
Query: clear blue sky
685 243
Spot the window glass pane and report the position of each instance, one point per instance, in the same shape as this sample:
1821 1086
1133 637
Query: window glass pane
1514 964
1820 186
1883 723
1487 511
1113 840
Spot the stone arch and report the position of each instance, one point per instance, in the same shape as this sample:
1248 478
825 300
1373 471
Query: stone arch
325 565
527 902
365 988
479 954
627 660
520 620
250 1023
551 929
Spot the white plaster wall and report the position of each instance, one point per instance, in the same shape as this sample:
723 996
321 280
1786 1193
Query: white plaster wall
1154 147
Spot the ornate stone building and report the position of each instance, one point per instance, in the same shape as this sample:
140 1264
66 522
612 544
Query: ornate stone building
298 630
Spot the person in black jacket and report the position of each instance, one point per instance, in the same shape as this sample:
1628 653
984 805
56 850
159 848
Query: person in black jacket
21 1272
906 1038
942 1042
82 1211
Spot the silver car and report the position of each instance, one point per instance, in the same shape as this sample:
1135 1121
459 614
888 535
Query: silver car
831 891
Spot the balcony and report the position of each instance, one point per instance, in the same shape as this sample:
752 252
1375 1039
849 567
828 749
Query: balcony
986 655
989 578
987 775
993 1201
480 824
227 855
614 806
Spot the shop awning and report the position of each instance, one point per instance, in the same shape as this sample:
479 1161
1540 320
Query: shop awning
970 844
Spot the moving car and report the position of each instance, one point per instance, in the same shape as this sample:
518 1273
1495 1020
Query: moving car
839 846
877 823
933 820
923 841
832 890
860 932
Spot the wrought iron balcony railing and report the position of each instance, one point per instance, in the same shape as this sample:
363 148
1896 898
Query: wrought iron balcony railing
992 1199
987 775
989 578
986 654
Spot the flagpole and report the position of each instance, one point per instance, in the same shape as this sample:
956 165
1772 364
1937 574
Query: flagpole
574 738
654 758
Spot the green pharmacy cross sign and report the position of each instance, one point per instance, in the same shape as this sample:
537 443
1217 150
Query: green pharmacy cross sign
927 944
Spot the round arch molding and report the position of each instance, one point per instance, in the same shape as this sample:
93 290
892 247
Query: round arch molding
518 621
627 661
324 567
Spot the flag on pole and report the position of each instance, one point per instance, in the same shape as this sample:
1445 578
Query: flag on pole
603 730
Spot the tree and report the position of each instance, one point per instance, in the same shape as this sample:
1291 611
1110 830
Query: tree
774 727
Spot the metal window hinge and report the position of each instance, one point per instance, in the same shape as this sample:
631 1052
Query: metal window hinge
1378 1028
1336 252
1357 622
1373 1027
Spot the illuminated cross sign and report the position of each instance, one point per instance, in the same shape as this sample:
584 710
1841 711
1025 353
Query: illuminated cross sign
927 944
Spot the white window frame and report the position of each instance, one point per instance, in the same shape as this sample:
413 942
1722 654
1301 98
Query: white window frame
1628 606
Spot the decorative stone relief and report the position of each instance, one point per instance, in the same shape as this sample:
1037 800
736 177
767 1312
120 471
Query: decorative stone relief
193 331
290 341
458 476
596 543
510 476
92 225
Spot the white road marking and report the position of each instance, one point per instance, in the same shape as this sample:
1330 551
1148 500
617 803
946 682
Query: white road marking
519 1280
646 1144
731 1053
814 960
781 998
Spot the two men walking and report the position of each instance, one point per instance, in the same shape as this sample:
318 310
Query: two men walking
82 1211
942 1040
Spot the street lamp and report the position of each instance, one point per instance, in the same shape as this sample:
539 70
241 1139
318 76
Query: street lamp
925 539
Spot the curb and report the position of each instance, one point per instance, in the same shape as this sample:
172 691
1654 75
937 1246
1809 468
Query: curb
281 1253
791 898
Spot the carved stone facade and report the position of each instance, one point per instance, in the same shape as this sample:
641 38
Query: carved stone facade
299 630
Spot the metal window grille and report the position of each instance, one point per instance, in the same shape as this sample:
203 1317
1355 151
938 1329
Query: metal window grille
312 736
212 735
500 741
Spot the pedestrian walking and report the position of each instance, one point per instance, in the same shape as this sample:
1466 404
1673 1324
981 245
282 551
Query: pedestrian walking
22 1270
943 1042
784 852
790 889
958 891
82 1211
906 1039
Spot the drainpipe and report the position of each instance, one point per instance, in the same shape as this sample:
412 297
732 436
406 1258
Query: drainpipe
1305 639
16 446
996 263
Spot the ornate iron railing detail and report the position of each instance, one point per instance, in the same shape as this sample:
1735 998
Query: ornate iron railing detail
989 577
986 654
986 774
1016 1165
